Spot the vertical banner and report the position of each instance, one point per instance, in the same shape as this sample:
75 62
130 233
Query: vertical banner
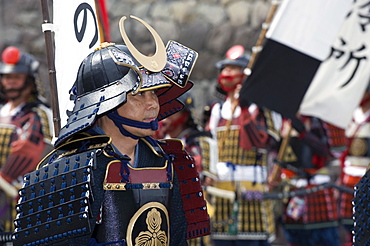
342 78
77 34
315 61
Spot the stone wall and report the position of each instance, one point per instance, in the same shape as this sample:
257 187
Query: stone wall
208 26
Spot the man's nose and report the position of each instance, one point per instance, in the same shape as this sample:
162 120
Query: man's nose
152 100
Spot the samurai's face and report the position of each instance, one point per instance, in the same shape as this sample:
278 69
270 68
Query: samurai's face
230 77
14 86
142 107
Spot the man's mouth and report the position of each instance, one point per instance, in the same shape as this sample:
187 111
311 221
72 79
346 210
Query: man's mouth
12 90
150 119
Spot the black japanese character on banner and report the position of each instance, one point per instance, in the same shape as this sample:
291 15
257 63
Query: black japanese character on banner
80 33
363 15
348 56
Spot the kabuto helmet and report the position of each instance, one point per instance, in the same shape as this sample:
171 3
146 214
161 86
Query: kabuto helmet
167 71
108 74
15 61
103 80
188 100
234 56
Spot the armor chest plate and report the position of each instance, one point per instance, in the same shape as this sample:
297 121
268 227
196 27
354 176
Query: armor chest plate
232 152
135 204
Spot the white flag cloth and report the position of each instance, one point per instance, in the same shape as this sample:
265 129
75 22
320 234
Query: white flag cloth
315 60
76 35
309 27
341 79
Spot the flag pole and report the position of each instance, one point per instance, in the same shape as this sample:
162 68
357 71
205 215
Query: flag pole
265 26
274 177
255 51
47 29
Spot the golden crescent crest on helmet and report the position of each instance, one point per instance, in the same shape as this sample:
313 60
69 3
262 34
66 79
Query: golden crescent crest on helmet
153 63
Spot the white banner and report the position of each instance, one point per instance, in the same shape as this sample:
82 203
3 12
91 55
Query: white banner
309 27
76 35
342 78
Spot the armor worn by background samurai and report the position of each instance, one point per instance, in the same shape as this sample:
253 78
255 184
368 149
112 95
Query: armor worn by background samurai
312 210
24 138
243 172
85 192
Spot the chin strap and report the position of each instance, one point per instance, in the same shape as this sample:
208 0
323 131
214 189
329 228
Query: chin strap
119 121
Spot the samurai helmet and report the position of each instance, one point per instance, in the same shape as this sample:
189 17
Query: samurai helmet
167 71
103 80
113 70
188 100
15 61
234 56
189 106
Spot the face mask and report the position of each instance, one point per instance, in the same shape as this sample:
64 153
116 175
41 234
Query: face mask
230 78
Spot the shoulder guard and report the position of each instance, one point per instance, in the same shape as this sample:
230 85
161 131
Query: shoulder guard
60 200
194 204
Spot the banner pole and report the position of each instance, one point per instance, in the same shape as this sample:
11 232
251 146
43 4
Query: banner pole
255 50
273 178
265 26
47 29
